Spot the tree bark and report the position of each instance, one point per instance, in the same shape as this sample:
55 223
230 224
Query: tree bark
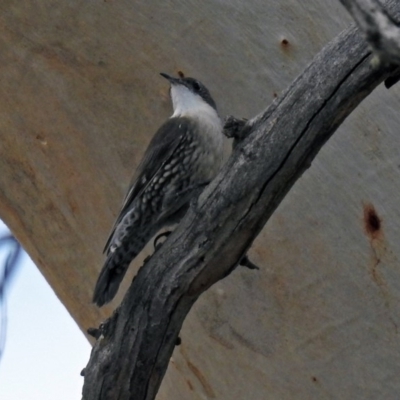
132 353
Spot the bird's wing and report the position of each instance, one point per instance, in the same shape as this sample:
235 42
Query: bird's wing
160 149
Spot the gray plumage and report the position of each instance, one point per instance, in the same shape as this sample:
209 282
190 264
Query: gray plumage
184 155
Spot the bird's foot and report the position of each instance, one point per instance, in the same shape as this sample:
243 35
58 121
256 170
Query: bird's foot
235 128
156 243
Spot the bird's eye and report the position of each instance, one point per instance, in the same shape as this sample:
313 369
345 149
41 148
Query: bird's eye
196 86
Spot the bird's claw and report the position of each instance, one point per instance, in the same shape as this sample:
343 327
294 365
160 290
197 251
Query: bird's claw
158 237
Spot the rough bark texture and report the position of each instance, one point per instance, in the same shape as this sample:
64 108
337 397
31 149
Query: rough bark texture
130 358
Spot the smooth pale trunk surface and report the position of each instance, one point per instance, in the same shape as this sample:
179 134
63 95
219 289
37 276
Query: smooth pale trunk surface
80 99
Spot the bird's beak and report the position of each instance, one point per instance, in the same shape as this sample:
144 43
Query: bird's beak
171 79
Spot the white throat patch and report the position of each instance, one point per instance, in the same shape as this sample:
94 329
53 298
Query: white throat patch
185 102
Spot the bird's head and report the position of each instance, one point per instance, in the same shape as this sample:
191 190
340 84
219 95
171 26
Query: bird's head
188 95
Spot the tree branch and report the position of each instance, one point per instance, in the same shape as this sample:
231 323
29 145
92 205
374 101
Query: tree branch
131 356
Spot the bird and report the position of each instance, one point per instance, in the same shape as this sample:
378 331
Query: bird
183 156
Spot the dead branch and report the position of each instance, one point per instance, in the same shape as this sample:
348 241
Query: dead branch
132 353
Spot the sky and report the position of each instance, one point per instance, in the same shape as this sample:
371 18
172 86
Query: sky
45 350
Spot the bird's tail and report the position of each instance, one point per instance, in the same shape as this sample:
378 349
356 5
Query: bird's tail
114 270
108 281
